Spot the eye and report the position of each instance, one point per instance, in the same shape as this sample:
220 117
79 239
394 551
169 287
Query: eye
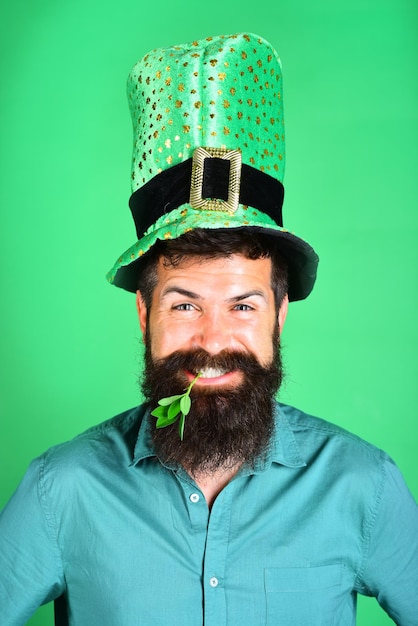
186 306
243 307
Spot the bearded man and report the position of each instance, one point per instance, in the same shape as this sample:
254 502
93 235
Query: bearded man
217 315
211 503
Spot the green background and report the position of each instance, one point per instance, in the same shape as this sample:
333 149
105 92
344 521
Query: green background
70 342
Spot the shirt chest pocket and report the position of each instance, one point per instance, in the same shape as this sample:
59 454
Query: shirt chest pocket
302 596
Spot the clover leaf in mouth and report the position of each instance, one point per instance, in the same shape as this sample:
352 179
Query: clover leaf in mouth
174 408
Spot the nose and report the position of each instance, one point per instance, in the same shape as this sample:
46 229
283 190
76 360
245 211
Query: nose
213 333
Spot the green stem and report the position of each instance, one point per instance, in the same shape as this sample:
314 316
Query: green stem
189 388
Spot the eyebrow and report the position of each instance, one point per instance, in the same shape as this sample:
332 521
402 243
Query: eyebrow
195 296
183 292
248 294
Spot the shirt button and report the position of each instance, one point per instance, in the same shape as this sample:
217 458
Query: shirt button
214 582
194 497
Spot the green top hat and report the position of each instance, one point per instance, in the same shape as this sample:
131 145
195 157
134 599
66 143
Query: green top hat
209 150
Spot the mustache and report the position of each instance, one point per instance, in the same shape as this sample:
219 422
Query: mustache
196 360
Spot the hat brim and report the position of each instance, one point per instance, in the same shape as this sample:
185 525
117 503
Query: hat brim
301 258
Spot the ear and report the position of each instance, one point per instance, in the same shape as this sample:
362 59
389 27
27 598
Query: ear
142 311
283 313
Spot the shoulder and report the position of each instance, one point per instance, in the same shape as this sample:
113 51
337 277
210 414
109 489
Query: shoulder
343 465
108 444
308 426
320 439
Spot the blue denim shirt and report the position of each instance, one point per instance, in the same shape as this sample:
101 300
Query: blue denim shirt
122 540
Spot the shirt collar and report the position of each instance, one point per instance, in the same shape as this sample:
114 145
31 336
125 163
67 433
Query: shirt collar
144 447
283 448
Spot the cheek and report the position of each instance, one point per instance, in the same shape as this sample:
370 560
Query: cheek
265 351
264 342
165 340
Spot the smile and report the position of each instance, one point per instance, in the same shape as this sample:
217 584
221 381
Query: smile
212 372
214 376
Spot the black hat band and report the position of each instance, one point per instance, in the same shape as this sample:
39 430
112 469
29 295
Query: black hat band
171 189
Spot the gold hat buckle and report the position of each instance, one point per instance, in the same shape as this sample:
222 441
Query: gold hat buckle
196 186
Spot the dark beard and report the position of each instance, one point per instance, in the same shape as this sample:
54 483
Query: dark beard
225 427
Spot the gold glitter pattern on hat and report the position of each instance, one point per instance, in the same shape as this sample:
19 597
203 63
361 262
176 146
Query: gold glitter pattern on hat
207 93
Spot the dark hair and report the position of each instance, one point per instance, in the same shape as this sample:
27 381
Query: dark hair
213 244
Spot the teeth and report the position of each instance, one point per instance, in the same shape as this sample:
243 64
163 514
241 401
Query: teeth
211 372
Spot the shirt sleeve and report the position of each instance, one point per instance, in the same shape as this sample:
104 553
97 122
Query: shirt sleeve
31 570
390 568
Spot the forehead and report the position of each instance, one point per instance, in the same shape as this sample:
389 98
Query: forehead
224 273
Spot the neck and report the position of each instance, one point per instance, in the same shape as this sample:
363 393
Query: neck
211 484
